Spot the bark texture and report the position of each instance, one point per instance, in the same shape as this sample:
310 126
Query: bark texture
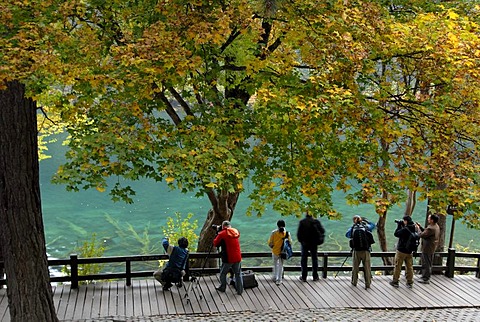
21 231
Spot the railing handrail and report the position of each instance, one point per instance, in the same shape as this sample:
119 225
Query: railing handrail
74 261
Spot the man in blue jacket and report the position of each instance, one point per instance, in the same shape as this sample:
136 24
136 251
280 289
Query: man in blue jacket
361 240
175 268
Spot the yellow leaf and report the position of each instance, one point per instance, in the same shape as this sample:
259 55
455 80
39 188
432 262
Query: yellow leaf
101 188
211 185
169 179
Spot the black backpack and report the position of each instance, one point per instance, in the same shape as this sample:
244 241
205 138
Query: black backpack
412 242
361 238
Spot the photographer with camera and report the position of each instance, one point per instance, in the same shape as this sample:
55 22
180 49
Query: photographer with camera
430 236
361 240
405 230
175 268
229 240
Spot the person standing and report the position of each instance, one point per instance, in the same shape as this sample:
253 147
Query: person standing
361 240
430 236
175 268
229 240
276 243
310 234
405 229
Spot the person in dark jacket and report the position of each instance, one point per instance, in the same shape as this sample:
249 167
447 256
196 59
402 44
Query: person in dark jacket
310 234
175 268
404 229
229 239
430 237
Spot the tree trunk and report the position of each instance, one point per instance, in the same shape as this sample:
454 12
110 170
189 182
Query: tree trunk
223 206
382 237
21 231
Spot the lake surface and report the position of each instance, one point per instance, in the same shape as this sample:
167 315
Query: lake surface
71 218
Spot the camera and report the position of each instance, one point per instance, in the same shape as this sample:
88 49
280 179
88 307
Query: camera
399 221
217 228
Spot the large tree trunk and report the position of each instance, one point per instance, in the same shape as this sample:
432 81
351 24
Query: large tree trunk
223 206
21 231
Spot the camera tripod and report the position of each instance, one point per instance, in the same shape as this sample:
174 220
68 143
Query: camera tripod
195 278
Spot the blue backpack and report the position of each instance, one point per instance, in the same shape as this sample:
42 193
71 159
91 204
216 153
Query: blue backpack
286 252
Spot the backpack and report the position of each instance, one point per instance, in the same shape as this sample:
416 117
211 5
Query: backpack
412 242
320 232
361 238
286 252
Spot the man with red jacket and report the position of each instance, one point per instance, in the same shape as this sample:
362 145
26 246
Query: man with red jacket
229 239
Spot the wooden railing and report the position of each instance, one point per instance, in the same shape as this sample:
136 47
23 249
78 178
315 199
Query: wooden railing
73 263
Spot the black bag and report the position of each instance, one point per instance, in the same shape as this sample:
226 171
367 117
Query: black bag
320 232
249 280
412 242
361 239
171 275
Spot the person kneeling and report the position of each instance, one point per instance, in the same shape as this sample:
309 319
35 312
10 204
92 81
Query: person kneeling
175 268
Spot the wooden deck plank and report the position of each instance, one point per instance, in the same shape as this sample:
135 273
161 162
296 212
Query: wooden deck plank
281 293
4 305
152 297
113 299
146 298
211 300
97 299
263 288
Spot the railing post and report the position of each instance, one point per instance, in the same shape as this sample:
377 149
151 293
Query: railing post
477 274
74 270
128 271
325 266
450 263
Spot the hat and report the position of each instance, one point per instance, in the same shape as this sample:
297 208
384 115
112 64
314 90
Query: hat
408 219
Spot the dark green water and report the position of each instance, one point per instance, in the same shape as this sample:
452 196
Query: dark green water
71 217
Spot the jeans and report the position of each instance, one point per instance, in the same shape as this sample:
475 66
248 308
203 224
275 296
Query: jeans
312 249
399 259
427 261
277 268
361 256
237 270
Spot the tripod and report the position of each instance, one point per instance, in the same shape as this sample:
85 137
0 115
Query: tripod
336 274
195 278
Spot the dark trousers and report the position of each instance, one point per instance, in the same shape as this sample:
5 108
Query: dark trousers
427 262
312 250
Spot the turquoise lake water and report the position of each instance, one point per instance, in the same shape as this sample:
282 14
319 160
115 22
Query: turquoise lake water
71 218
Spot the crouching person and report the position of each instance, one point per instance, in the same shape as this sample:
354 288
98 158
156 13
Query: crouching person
175 268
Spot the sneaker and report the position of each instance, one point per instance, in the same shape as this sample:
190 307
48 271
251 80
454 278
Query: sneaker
278 282
423 281
410 285
220 289
394 284
316 279
302 279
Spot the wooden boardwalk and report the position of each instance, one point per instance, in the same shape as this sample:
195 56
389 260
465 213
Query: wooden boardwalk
146 298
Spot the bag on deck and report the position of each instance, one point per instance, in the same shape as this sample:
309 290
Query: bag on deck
287 251
249 280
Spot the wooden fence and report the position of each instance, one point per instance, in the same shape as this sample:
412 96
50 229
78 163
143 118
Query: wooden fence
325 258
